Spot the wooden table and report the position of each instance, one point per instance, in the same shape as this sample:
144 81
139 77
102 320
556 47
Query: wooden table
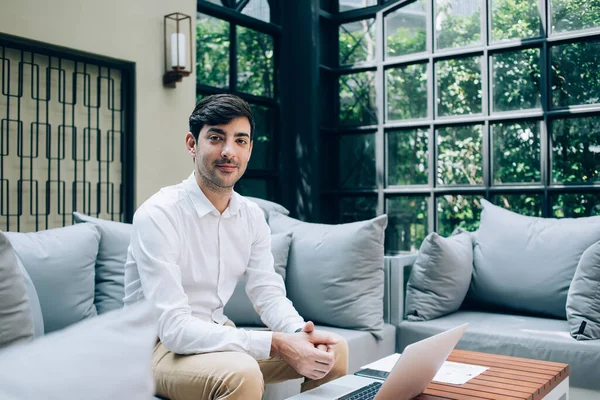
508 378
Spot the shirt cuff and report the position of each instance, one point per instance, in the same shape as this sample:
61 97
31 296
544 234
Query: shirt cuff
260 344
296 327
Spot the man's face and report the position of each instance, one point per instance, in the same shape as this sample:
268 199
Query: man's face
222 153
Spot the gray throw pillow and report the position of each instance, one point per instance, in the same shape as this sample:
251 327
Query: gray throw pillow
440 277
527 263
61 263
239 309
108 357
110 263
268 206
16 322
583 299
34 302
335 272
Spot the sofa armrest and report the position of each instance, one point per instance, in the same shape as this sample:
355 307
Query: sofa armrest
396 271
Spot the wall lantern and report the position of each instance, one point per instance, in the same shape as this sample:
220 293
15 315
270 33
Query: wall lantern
178 48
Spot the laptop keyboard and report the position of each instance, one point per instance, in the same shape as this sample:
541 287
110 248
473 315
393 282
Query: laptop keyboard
364 393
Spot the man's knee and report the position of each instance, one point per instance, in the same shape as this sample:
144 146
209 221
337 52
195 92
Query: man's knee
244 379
227 375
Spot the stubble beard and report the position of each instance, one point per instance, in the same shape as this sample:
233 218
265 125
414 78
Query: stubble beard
212 181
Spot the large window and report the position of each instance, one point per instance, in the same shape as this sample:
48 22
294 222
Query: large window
236 46
441 103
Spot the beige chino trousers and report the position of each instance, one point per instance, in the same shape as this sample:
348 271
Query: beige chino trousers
229 375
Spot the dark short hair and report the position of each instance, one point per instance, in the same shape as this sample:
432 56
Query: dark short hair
219 109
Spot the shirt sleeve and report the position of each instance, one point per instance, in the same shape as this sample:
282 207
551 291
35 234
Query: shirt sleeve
155 244
265 287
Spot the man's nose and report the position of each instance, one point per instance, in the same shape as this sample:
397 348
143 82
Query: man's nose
227 151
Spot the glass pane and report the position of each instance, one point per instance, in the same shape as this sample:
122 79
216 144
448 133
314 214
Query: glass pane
516 155
575 74
347 5
357 208
406 30
459 160
212 51
408 157
458 211
357 41
515 19
357 161
457 23
574 205
516 80
258 9
357 99
459 86
576 150
255 62
253 187
407 223
524 204
571 15
262 148
407 92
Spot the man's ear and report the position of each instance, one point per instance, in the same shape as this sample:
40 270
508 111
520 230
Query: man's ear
190 143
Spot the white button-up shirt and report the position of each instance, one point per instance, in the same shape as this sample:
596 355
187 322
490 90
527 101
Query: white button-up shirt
187 258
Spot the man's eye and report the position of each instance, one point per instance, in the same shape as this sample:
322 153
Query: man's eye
242 141
214 138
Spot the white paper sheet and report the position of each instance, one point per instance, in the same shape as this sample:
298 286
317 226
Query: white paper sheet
451 372
458 373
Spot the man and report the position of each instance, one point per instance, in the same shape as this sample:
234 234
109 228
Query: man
190 245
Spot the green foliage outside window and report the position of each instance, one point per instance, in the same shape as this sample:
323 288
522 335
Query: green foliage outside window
406 30
516 152
212 51
516 80
458 211
407 92
459 160
457 29
576 150
459 86
357 42
255 63
515 19
408 157
575 74
572 15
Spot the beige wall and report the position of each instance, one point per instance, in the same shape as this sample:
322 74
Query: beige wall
130 30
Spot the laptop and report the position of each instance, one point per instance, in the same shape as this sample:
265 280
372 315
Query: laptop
411 374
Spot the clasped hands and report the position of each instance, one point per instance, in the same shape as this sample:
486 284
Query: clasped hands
309 352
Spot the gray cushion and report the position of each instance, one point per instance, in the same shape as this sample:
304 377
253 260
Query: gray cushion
110 263
108 357
583 299
60 263
268 206
239 309
335 272
16 322
527 263
440 277
515 335
34 302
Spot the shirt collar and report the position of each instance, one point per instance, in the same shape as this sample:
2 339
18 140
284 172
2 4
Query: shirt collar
203 204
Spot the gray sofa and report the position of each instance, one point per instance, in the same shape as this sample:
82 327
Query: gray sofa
80 275
507 318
